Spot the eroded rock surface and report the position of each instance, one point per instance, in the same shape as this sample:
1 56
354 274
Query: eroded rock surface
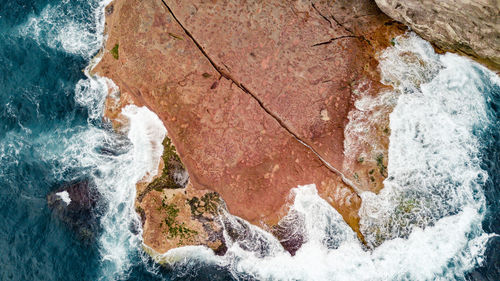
256 98
469 27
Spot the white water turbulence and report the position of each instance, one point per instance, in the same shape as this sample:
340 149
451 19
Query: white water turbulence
60 27
426 223
114 162
64 195
146 133
434 153
117 162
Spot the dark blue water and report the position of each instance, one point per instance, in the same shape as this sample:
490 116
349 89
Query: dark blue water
37 107
41 62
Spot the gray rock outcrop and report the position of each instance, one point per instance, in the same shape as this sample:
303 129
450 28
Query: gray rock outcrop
471 27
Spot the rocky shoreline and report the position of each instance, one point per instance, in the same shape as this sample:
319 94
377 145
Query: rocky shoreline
257 98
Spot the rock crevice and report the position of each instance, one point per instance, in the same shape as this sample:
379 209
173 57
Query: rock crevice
228 76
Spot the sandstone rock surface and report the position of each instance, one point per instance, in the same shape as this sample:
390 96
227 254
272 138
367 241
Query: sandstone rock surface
471 27
256 98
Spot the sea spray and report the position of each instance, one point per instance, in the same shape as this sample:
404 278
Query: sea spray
434 153
146 133
425 254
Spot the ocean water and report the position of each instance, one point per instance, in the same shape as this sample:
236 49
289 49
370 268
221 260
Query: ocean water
437 219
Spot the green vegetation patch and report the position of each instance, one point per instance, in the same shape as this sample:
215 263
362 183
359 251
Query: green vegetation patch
380 164
172 165
171 227
114 52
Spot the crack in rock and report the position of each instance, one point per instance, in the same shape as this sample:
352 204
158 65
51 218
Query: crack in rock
228 76
334 39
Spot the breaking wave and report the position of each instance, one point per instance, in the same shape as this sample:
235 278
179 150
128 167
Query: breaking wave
68 29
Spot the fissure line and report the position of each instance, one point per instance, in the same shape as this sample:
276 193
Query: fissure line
226 75
334 39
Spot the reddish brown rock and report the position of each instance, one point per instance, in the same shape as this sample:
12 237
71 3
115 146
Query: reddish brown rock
238 84
301 59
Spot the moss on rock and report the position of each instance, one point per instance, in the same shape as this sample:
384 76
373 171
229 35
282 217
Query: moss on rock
208 203
114 51
173 165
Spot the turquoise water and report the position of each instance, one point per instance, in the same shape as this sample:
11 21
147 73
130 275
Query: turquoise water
51 133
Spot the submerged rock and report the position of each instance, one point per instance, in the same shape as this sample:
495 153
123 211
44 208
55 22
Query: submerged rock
290 232
469 27
78 205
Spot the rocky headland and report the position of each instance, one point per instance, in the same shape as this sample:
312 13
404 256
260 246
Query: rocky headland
257 98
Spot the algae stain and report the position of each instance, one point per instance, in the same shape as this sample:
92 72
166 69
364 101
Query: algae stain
380 164
175 36
173 164
114 51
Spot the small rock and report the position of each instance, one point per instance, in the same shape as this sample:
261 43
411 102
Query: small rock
78 205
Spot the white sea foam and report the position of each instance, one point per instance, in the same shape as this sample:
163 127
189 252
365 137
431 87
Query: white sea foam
434 165
61 28
426 254
91 93
146 133
137 158
64 195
